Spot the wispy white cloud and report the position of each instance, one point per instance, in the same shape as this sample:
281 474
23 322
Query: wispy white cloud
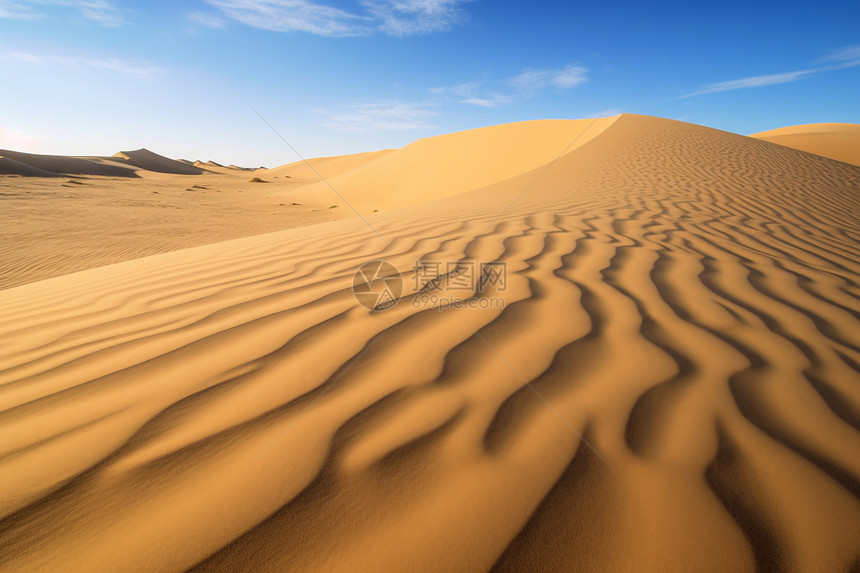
412 17
752 82
111 64
844 58
847 54
100 11
475 93
294 16
393 17
392 115
207 20
493 100
527 84
563 78
17 10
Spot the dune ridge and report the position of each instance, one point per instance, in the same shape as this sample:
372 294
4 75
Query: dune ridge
679 337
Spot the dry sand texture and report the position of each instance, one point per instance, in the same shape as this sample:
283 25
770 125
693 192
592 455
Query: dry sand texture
673 383
71 221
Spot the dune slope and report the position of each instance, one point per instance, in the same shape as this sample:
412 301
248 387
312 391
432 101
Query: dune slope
450 164
672 382
326 167
9 166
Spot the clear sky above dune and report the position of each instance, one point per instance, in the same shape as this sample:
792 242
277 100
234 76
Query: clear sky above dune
187 78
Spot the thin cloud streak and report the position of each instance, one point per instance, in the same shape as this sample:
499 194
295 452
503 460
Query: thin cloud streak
847 57
525 85
17 11
846 54
398 18
402 18
393 115
101 12
207 20
110 64
751 82
294 16
564 78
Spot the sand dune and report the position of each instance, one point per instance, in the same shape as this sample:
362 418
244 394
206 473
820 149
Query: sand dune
326 167
672 383
214 167
9 166
840 141
58 165
146 159
450 164
122 164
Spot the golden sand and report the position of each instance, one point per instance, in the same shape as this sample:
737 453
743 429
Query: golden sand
672 384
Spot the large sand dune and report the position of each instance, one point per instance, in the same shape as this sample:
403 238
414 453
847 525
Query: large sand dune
448 165
672 384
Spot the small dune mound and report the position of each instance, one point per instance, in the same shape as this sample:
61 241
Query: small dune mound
256 180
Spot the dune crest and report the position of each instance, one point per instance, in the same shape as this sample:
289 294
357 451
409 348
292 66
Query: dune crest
673 382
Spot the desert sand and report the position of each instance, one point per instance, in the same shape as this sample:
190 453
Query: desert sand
91 212
671 384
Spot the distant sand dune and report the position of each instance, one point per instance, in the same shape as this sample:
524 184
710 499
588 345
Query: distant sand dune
146 159
839 141
673 383
57 165
9 166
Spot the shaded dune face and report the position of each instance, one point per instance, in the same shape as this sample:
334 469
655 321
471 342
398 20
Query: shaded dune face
672 384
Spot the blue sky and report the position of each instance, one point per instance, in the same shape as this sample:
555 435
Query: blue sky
187 78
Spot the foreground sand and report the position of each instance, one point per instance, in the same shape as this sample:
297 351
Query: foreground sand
673 383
